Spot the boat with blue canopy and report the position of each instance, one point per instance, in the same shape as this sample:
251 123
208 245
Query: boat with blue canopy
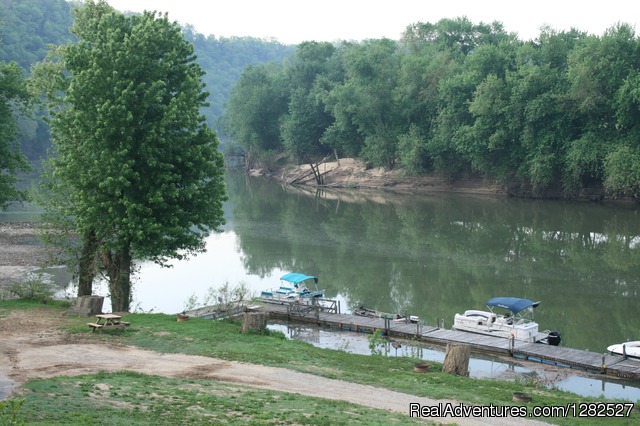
294 288
516 321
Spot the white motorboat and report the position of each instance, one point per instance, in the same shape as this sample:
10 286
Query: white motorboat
293 289
516 322
631 349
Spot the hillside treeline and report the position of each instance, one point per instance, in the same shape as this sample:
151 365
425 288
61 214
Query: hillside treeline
554 115
27 27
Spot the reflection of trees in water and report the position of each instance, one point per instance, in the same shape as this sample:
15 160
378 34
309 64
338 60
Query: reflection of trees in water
436 255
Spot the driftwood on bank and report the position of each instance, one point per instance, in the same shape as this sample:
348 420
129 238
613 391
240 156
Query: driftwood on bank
456 360
314 171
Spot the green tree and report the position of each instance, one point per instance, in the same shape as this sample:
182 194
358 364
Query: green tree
14 99
254 111
140 165
622 168
224 58
307 119
366 99
541 113
26 28
599 68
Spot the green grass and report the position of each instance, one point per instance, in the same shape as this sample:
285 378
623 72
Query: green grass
128 398
223 339
9 305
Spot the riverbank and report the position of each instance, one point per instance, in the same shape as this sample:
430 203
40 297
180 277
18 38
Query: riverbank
20 252
351 173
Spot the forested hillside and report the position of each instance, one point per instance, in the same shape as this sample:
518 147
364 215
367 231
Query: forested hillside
28 26
550 116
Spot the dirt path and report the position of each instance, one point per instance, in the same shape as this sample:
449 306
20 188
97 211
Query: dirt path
31 347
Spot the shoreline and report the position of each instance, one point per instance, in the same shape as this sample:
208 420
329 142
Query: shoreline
349 173
20 252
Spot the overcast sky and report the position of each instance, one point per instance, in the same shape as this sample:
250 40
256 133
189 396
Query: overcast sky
294 21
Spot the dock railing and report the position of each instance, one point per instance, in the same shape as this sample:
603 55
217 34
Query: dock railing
315 305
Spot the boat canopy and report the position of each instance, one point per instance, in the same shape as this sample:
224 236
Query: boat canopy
513 304
297 278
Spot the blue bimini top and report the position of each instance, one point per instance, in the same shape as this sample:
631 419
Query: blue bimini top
297 278
513 304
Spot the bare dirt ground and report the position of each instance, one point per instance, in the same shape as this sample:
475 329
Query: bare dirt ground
33 347
351 173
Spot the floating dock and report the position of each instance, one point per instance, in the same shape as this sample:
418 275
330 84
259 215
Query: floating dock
318 314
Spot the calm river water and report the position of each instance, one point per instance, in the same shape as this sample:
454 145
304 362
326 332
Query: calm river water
427 255
430 255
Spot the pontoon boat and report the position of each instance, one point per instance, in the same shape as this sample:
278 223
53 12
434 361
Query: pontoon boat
293 288
516 321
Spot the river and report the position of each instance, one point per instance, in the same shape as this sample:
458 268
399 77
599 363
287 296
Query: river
430 255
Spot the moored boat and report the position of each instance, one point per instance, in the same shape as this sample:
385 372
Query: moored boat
516 322
631 349
294 288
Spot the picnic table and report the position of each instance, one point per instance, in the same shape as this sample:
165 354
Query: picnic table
107 321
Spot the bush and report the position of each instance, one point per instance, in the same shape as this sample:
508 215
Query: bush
36 288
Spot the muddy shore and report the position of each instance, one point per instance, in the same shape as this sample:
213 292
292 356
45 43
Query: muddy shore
20 251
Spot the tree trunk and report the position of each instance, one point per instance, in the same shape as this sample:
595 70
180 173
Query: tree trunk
456 360
118 266
87 264
254 322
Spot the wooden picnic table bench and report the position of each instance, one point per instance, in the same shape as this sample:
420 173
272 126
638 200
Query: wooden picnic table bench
107 321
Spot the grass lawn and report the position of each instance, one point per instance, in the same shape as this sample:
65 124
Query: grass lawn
138 399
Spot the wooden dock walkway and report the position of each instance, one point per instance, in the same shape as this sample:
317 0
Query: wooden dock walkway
555 355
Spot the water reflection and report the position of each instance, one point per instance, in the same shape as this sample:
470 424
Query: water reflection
489 368
427 255
435 255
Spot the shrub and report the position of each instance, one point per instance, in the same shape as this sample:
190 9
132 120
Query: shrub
37 288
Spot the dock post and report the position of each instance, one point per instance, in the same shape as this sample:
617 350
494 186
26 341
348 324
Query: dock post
441 323
456 360
387 325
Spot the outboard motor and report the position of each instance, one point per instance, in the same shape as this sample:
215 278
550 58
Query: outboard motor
554 338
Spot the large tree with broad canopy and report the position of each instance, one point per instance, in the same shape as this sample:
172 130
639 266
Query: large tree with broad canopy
138 168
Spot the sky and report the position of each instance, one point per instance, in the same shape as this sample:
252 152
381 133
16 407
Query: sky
295 21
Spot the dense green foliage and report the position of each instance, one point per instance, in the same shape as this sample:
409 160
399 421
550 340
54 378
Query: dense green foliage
13 99
553 115
135 165
28 26
223 60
